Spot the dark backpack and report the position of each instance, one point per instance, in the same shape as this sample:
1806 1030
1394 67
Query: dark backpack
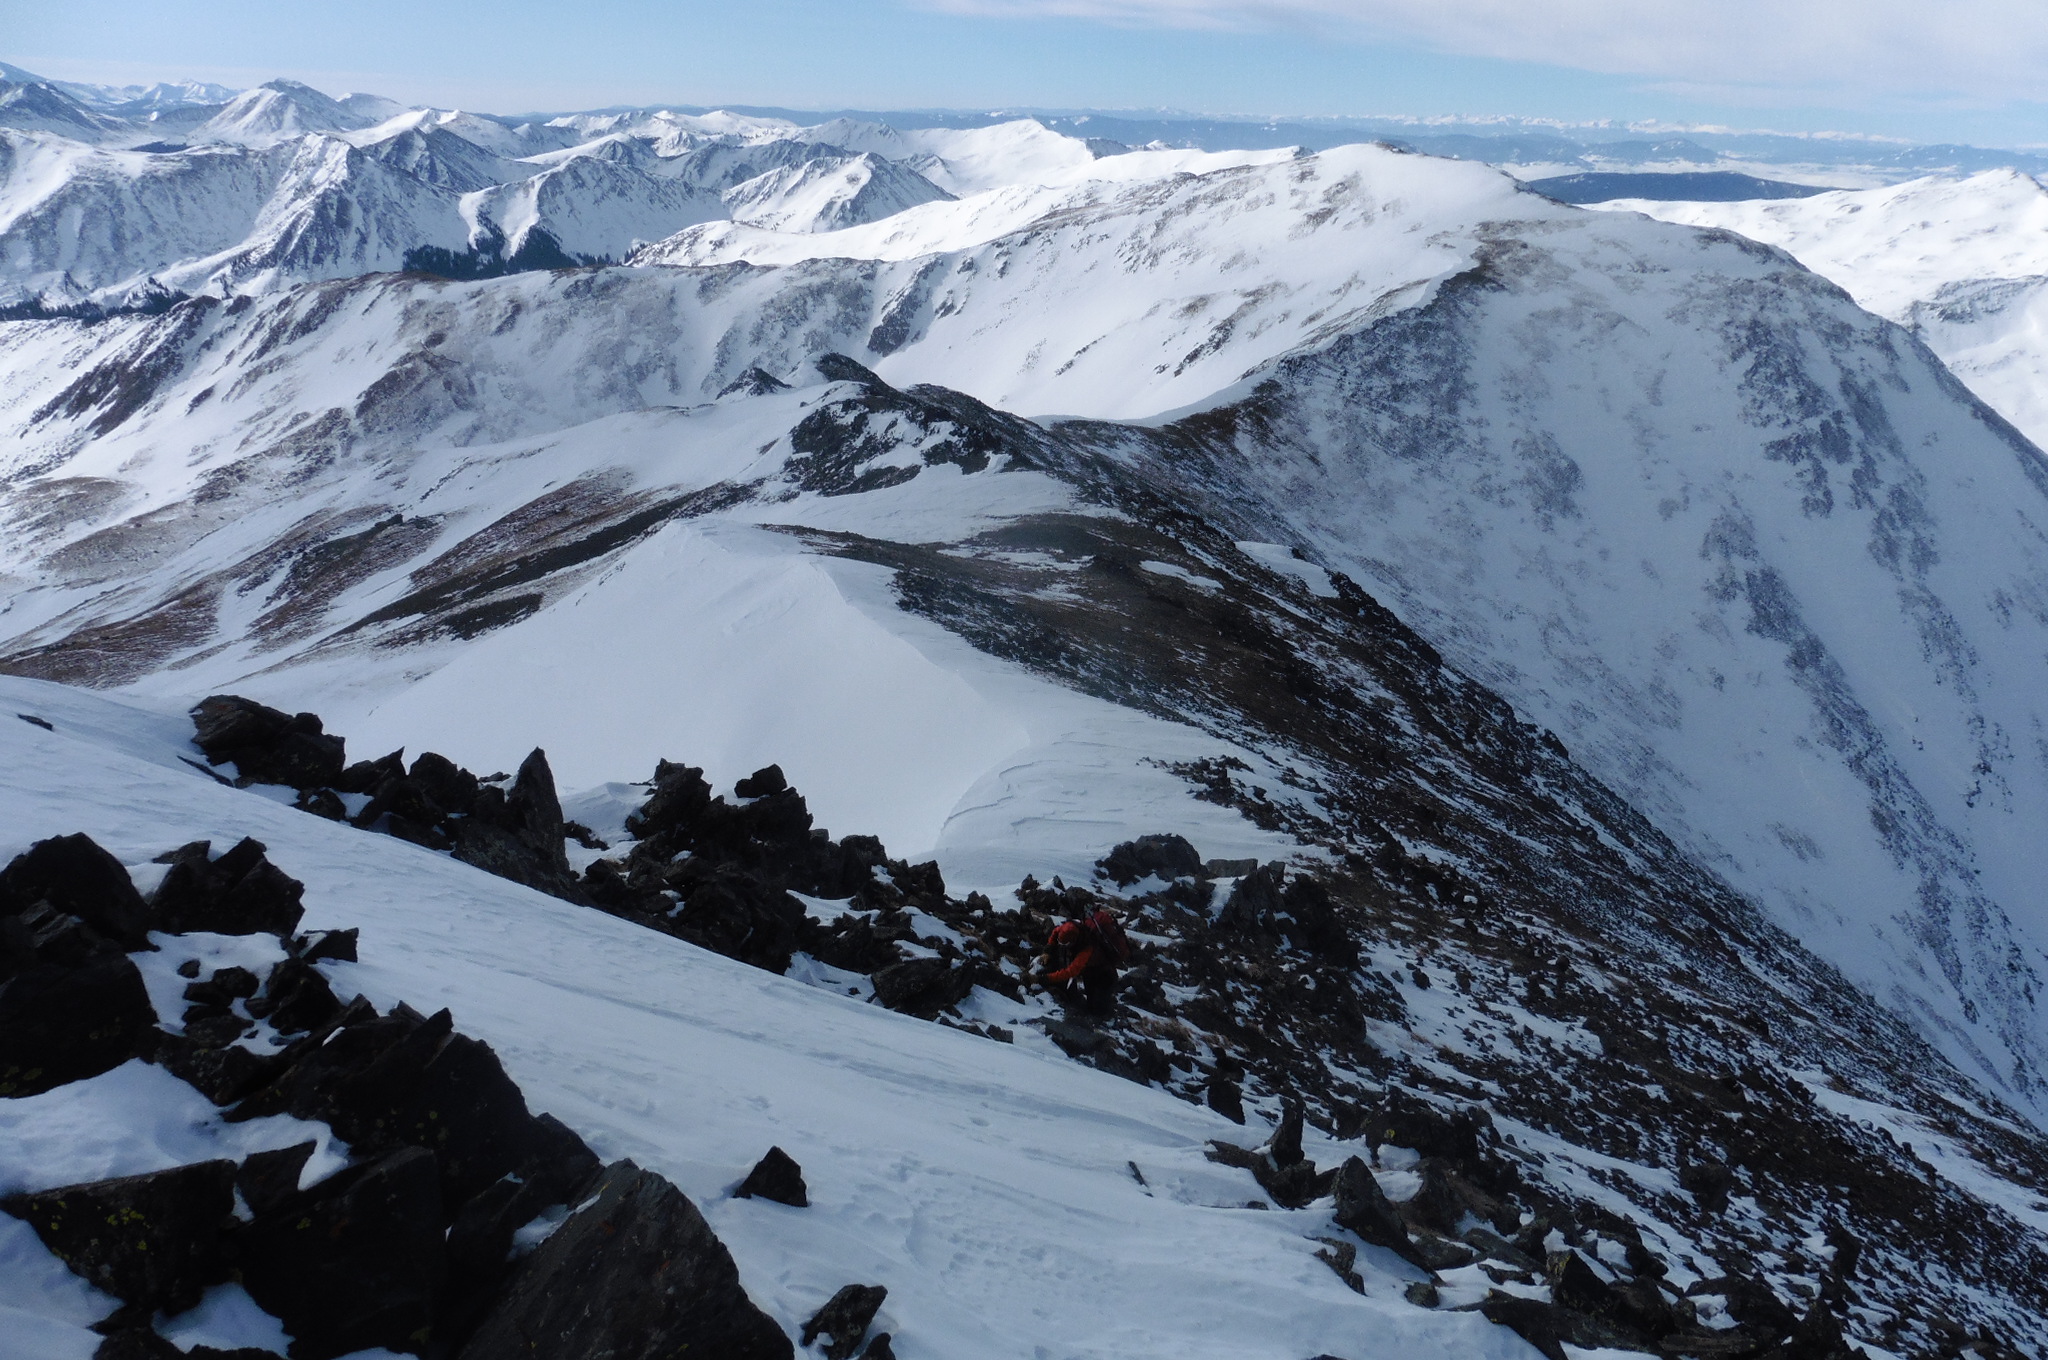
1110 932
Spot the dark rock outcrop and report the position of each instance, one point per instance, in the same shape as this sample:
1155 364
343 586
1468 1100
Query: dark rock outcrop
80 880
518 833
922 986
388 1082
636 1275
1363 1208
845 1319
240 893
741 917
267 746
1165 856
152 1241
776 1176
356 1262
60 1025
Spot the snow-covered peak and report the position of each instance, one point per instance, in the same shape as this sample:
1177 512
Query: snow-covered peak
1895 246
164 95
827 193
276 111
965 161
1126 297
41 107
1962 260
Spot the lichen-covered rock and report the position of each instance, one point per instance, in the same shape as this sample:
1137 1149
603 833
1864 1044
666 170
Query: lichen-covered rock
152 1241
358 1261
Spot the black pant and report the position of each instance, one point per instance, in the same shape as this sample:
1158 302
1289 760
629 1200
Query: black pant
1093 992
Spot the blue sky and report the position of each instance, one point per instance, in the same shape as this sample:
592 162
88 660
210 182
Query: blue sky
1967 70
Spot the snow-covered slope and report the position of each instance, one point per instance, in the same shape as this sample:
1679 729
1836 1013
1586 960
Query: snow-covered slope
79 220
982 1183
1769 572
1598 461
827 193
1961 261
1142 290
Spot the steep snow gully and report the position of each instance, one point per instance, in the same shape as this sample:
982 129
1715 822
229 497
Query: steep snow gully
1595 660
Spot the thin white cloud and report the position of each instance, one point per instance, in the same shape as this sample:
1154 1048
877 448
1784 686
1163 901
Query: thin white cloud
1976 50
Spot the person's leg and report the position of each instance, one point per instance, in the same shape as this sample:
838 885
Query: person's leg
1101 984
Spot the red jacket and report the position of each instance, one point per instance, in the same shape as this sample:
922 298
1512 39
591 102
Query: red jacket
1079 944
1094 942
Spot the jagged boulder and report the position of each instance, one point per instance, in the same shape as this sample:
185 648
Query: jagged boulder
1461 1137
60 1025
357 1261
269 1180
737 915
77 879
677 800
386 1082
446 785
267 745
338 945
1446 1197
518 834
367 776
1535 1321
1224 1095
1167 857
761 783
845 1319
1253 902
240 893
635 1275
222 1072
776 1176
296 998
481 1237
41 933
1363 1209
152 1241
923 986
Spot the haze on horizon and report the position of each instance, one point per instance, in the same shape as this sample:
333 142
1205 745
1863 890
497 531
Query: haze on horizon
1975 71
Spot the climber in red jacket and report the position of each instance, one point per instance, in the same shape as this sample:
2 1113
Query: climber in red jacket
1082 958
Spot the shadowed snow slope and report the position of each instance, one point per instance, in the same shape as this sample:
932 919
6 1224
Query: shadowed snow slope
1963 262
1760 561
989 1187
